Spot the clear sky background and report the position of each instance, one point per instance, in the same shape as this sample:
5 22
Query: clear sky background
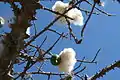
101 32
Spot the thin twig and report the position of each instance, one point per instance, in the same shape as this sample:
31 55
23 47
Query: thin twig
82 31
38 48
64 36
72 34
53 45
85 61
96 55
39 69
86 11
79 64
108 14
80 70
79 76
48 77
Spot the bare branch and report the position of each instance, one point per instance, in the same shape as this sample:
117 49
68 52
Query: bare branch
87 19
105 70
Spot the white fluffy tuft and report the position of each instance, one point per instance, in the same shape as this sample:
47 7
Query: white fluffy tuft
68 60
73 13
77 16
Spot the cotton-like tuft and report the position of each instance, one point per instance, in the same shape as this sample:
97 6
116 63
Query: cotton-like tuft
74 13
68 60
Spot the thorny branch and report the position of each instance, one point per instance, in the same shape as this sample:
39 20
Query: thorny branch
23 17
33 62
105 70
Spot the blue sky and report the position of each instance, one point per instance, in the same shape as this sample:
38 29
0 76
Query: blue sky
102 32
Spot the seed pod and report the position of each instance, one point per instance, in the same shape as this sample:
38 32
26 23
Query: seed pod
55 60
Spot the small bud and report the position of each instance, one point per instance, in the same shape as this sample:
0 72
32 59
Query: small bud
55 60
